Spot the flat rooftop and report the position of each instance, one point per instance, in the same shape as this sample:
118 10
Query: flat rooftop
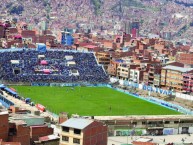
145 117
23 116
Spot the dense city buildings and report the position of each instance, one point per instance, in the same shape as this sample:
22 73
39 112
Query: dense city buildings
139 48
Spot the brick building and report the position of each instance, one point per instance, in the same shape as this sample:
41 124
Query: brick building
2 31
19 132
103 58
112 68
39 131
83 131
4 126
188 82
154 71
185 58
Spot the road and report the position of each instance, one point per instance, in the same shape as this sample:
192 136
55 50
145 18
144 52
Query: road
22 104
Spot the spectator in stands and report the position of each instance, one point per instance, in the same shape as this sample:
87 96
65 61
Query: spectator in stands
29 68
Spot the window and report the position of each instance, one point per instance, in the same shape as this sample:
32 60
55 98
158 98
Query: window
167 122
75 140
65 129
65 138
176 122
77 131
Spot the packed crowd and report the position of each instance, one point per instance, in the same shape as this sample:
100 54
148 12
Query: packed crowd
29 61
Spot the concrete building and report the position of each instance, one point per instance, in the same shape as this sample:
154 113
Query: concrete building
136 75
67 39
112 68
103 58
83 131
172 77
188 82
123 71
148 125
154 71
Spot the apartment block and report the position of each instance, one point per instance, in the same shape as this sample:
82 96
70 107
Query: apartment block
172 77
112 68
103 58
123 71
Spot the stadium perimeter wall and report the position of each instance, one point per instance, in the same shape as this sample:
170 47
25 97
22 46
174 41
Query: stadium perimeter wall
152 89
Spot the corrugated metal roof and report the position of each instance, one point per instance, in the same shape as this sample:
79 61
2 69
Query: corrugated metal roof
78 123
176 68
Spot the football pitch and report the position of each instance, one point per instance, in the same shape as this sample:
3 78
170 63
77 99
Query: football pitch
90 101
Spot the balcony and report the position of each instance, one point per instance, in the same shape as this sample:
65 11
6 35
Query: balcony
171 125
186 79
185 124
151 72
187 75
154 125
151 76
184 88
186 84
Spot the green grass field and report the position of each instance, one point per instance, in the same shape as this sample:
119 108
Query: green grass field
90 101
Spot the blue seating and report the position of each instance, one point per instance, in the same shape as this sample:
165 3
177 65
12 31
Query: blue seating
85 64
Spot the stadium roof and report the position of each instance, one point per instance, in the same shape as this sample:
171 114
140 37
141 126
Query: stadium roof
144 117
78 123
176 68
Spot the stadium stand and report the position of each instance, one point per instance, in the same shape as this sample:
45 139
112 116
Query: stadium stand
50 66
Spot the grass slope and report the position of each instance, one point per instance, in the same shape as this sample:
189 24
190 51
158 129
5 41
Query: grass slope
90 101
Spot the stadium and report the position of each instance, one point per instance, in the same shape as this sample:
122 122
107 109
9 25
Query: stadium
69 81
